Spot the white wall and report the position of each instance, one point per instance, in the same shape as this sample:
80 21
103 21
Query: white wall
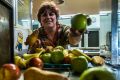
105 26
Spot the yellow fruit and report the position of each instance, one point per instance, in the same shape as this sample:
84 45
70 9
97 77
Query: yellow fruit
77 52
49 48
16 59
29 56
59 48
67 59
31 39
34 73
38 50
97 61
1 75
65 52
20 62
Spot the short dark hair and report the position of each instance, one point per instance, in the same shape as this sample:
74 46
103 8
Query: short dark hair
48 5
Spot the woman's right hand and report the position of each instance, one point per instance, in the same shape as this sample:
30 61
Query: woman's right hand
32 49
37 44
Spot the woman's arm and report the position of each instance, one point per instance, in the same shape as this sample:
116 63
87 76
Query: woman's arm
74 36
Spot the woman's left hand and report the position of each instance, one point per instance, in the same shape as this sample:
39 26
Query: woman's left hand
76 32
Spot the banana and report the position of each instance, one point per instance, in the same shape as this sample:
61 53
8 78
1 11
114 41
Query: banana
38 50
65 52
16 59
29 56
96 60
79 53
19 61
1 74
31 39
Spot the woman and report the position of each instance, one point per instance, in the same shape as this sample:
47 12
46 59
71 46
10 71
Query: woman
51 33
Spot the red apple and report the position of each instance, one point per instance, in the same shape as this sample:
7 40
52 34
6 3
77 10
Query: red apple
35 62
10 72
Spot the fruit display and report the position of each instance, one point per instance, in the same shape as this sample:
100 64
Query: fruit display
34 73
98 73
57 55
56 58
9 72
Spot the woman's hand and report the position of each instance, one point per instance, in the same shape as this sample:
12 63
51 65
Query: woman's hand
75 36
76 32
37 44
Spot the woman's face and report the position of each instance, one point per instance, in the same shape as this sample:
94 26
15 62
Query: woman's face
48 19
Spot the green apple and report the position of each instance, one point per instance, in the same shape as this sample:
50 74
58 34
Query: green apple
98 73
57 56
46 57
79 22
79 64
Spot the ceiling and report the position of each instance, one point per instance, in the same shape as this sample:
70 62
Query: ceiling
76 6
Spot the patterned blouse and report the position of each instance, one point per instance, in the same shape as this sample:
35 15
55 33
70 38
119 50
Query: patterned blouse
60 38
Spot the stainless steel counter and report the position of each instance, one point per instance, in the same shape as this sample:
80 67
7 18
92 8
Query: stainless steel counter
68 73
76 77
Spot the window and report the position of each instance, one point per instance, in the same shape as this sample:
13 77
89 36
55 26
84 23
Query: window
93 39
